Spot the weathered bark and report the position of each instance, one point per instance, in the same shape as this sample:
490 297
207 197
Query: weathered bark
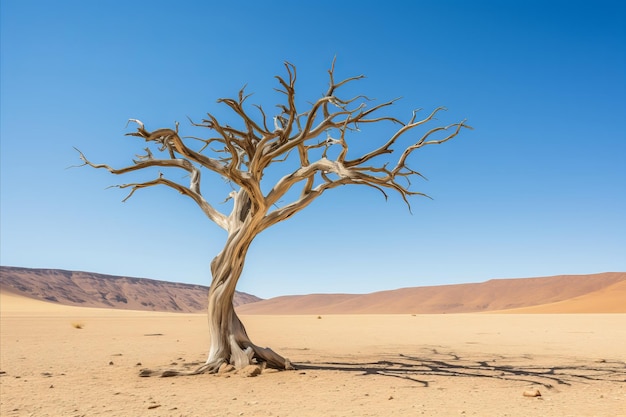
229 341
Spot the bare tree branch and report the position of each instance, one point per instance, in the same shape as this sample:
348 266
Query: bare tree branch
193 191
310 153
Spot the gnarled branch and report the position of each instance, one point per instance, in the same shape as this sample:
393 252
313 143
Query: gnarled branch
308 150
242 154
193 191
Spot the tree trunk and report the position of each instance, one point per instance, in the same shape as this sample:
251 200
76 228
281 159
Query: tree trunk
229 340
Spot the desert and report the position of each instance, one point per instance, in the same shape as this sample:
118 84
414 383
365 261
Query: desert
312 209
60 360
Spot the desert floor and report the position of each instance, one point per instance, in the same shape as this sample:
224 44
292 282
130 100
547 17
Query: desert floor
70 361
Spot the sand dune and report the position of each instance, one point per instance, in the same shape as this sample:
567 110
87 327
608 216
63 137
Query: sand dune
611 299
10 302
493 295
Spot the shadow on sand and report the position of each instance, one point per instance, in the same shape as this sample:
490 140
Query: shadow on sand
521 369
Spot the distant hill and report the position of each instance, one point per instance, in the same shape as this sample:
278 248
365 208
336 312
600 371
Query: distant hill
597 293
90 289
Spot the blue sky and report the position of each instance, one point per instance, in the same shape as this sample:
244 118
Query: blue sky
538 188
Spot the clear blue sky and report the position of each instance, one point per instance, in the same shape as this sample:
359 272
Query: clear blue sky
538 188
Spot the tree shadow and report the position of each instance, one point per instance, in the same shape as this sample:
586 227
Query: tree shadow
521 369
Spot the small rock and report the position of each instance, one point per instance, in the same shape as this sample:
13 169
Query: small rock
390 397
51 386
138 364
145 372
532 393
111 363
250 371
151 407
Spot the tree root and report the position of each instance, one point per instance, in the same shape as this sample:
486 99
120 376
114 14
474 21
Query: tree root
239 359
230 344
207 368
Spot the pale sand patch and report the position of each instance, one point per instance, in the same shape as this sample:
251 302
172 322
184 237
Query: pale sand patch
350 365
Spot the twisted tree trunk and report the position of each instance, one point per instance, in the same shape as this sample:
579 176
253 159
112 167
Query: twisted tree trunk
229 341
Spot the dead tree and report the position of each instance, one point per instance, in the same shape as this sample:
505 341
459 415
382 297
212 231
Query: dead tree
311 148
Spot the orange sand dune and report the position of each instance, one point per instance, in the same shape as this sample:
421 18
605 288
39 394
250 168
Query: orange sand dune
493 295
611 299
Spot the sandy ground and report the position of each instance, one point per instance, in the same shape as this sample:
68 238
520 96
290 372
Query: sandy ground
349 365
